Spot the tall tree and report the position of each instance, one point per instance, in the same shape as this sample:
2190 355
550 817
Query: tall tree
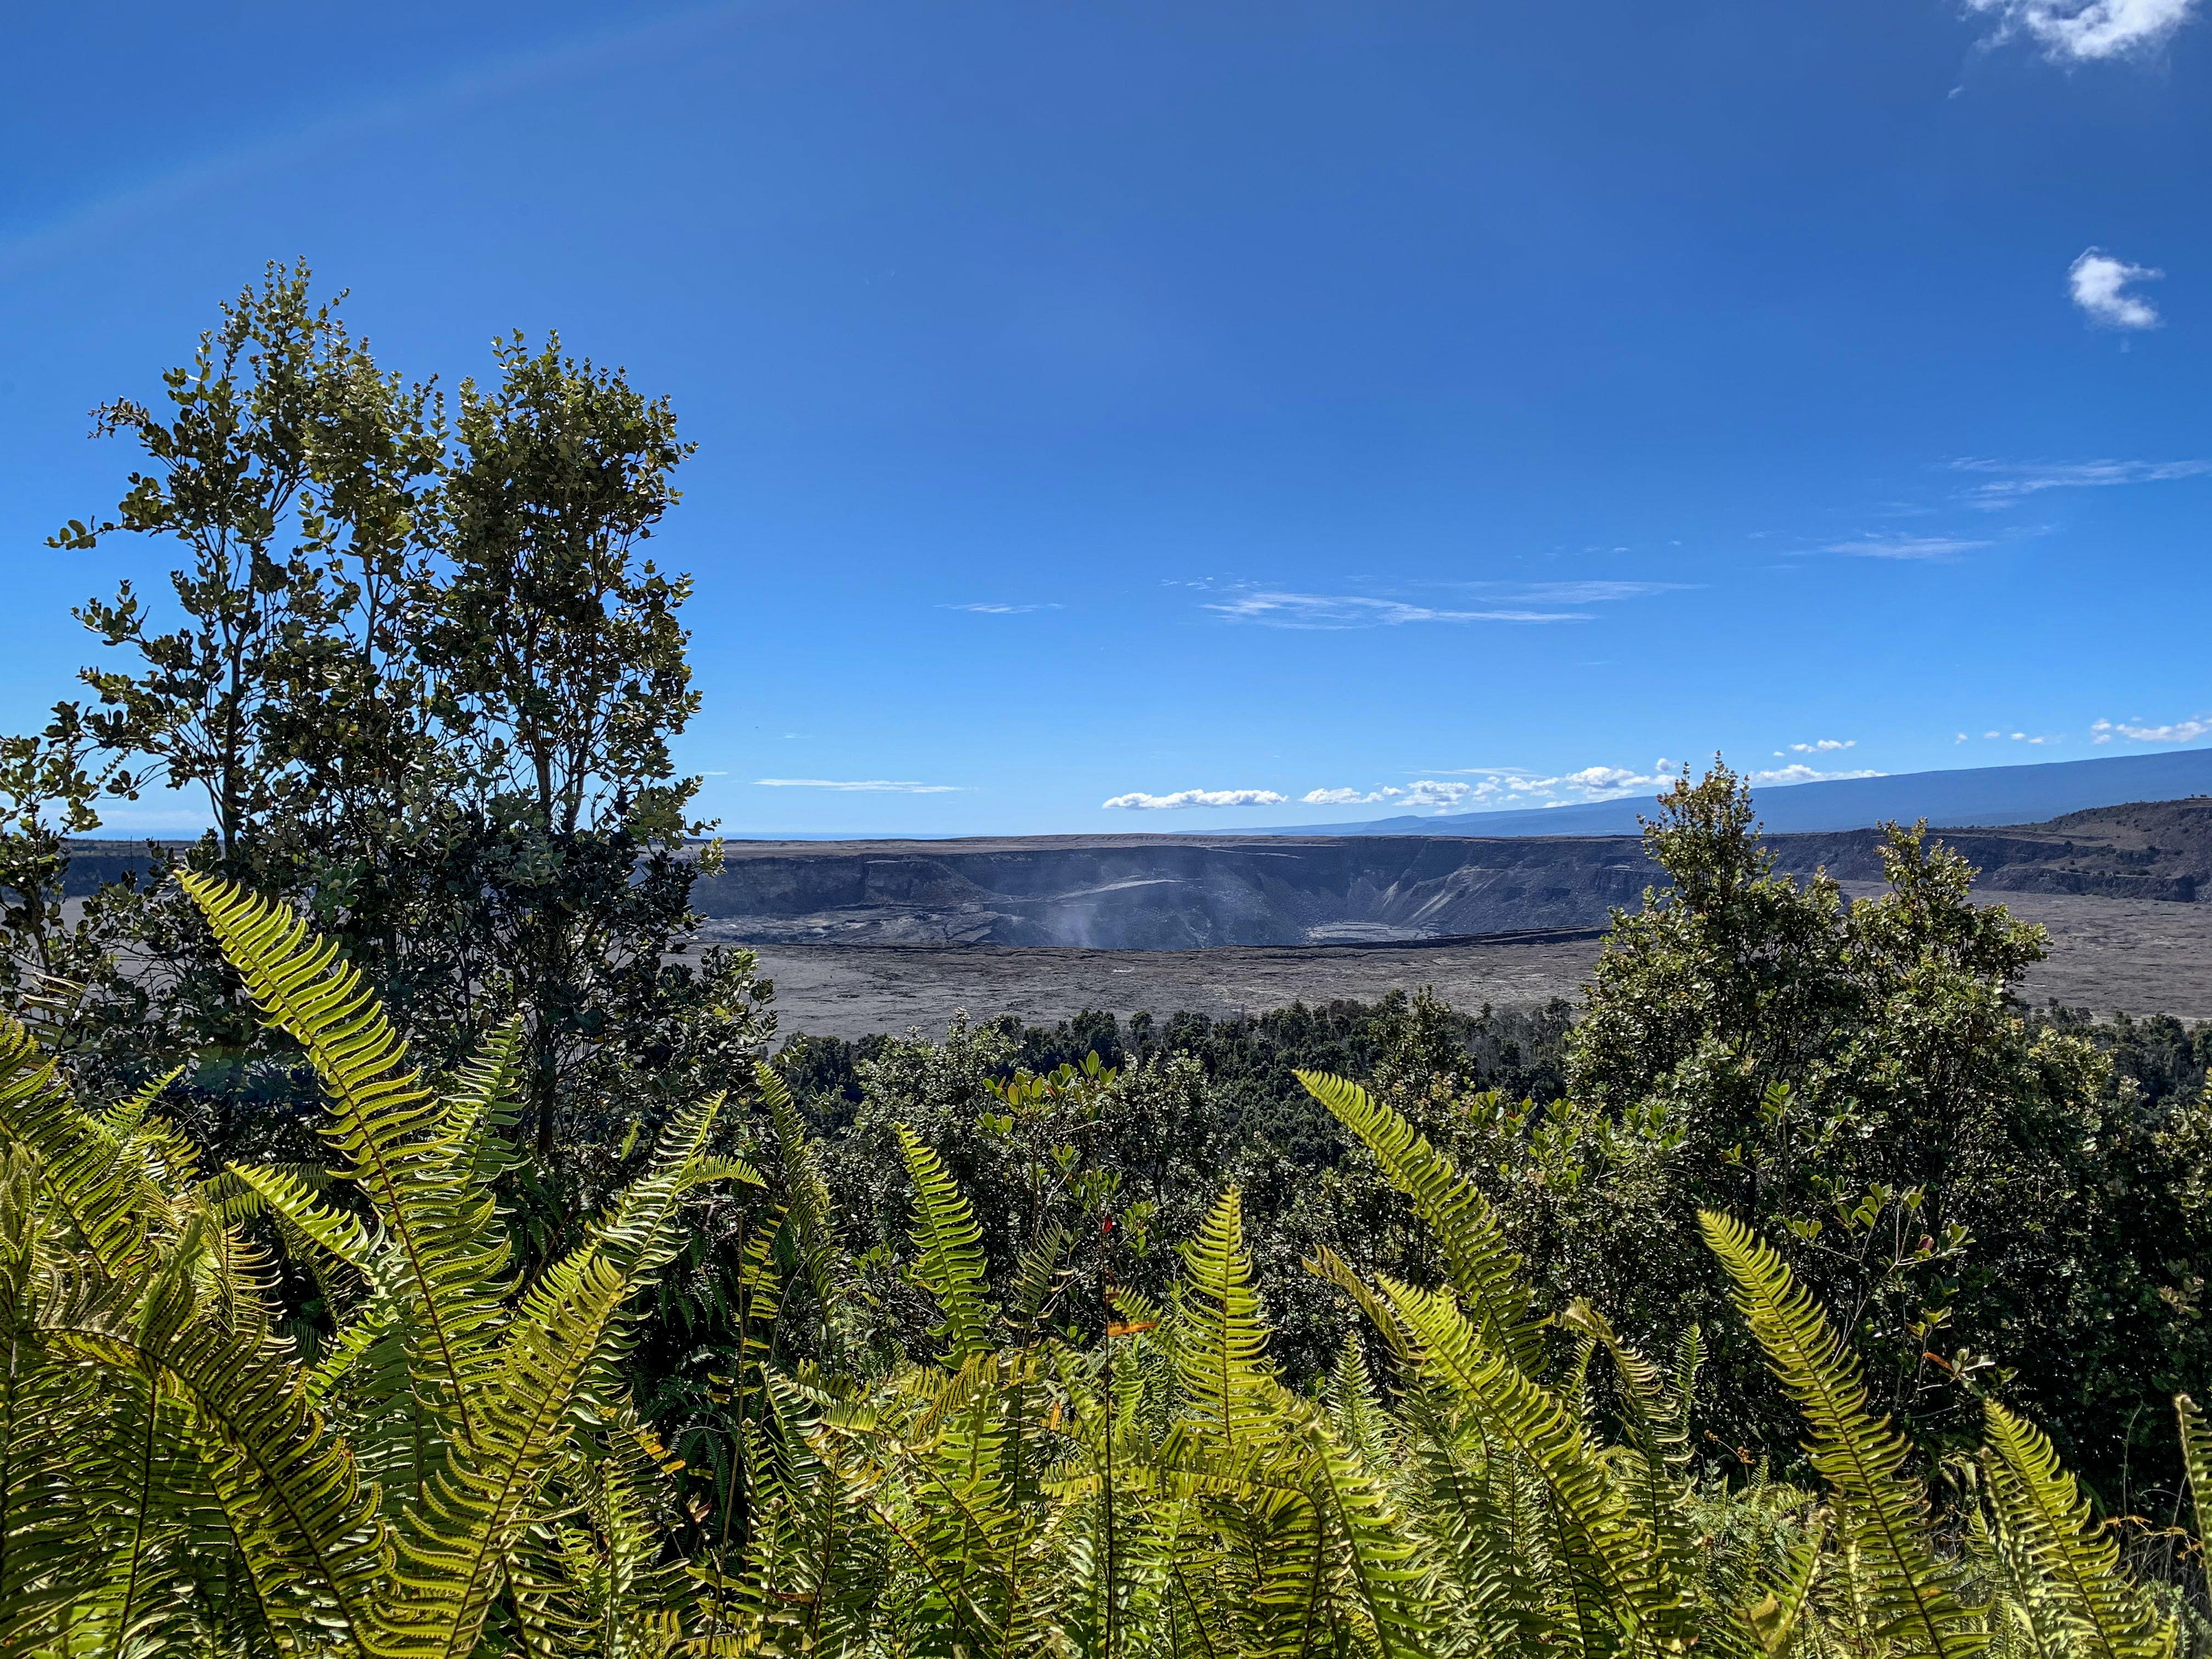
1857 1076
562 677
560 657
301 485
427 686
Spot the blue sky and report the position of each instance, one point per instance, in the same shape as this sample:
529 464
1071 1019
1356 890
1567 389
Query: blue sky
1147 402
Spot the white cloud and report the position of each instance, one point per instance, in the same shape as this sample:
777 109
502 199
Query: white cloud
2134 731
1798 771
1580 592
2099 285
1514 786
1604 777
1347 797
1905 547
2087 31
1334 610
990 609
1430 792
2017 480
1138 801
1823 746
882 785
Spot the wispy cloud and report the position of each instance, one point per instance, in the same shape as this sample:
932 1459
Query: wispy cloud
1820 746
1595 592
1906 547
880 786
1798 771
1572 593
992 609
1346 796
2087 31
2136 732
2099 284
1429 792
1339 610
1607 778
1137 800
1508 787
2015 481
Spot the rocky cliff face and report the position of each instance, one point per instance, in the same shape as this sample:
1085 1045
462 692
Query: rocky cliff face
1160 893
1176 892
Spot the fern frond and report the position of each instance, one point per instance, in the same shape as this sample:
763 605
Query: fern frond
1038 1274
1622 1586
1484 1272
88 1167
309 1533
2099 1606
458 1538
1913 1599
2196 1462
1658 1439
52 1490
1777 1620
948 1246
822 1258
638 1234
1380 1567
285 1194
485 1103
1221 1344
404 1150
1326 1264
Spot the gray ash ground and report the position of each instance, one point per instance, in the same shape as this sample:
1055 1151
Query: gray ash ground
2143 957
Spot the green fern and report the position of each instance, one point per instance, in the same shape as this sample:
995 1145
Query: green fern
1220 1345
2102 1614
2196 1463
408 1154
1484 1272
1617 1589
948 1246
1914 1600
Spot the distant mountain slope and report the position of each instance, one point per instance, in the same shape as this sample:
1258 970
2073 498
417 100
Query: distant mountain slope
1978 795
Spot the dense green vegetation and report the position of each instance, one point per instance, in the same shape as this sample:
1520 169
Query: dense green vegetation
457 1469
1992 1198
475 1279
